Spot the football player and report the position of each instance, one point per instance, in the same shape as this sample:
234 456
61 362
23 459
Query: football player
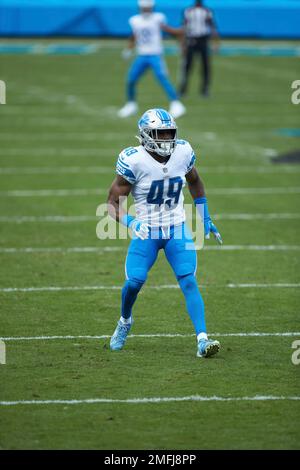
155 173
147 30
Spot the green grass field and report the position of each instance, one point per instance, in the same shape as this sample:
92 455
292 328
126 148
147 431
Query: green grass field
59 131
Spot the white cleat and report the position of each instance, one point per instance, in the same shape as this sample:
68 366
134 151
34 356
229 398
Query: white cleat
177 109
129 109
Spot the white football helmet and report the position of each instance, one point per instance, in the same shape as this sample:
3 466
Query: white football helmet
151 122
146 3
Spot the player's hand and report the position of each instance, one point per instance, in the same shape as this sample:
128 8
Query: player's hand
140 229
209 227
126 54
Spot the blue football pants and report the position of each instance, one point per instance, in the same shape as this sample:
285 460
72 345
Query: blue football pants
158 66
180 252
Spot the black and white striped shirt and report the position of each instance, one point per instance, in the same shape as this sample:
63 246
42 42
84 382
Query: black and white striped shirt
197 22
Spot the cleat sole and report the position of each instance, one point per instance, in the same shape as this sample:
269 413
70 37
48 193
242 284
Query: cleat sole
211 350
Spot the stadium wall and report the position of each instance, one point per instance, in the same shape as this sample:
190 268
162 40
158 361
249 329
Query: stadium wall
235 18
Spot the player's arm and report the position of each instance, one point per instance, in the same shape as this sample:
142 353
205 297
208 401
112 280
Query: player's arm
197 190
195 184
118 192
128 51
214 32
177 32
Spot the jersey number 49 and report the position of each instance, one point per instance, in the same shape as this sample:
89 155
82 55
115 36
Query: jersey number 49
155 195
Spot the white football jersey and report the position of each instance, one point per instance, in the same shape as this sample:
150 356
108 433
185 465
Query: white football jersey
147 32
157 187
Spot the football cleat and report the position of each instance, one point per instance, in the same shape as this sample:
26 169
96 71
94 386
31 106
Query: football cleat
128 110
208 347
118 339
177 109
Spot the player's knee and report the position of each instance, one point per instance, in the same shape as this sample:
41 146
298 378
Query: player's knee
187 283
162 78
133 286
137 277
185 269
131 82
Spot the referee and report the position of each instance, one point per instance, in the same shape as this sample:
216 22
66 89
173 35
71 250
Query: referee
198 27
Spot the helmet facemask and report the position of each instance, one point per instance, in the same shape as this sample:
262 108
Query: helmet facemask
153 142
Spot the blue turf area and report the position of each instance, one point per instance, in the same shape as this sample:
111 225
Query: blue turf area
61 49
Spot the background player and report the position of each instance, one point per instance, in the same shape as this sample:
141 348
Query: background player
198 27
147 30
155 173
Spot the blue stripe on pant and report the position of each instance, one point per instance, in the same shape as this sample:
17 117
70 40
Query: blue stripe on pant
181 254
139 67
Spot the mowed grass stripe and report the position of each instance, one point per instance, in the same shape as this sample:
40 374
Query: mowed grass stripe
104 249
110 169
86 218
98 191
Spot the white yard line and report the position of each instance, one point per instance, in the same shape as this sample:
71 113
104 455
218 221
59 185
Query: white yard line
47 218
56 171
80 249
253 191
252 248
164 286
249 216
191 398
97 191
156 335
104 249
52 192
86 218
280 285
59 152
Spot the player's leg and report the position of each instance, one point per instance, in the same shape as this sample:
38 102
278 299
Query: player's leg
160 71
181 254
205 59
140 258
187 63
138 67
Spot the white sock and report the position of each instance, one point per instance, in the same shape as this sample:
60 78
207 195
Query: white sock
201 336
125 321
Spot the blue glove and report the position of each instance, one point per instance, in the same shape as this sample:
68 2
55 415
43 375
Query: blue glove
140 229
209 226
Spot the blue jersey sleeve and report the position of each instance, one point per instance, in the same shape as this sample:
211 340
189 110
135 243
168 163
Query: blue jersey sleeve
125 165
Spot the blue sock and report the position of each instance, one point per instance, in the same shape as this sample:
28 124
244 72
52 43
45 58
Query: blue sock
194 302
129 294
131 95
